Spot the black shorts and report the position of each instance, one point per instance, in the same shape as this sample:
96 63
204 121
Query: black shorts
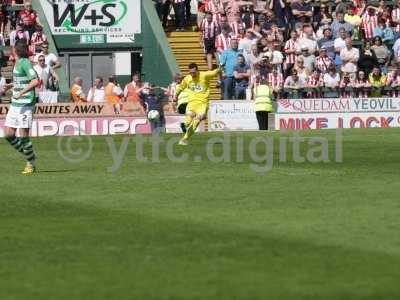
209 46
182 109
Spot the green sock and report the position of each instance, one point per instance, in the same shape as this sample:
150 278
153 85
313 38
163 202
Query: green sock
15 142
28 150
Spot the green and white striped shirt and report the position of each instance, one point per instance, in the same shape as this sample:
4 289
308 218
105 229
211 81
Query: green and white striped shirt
23 74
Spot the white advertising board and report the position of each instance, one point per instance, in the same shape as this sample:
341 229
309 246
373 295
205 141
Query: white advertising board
119 20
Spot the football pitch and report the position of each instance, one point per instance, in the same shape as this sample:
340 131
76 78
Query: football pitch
106 228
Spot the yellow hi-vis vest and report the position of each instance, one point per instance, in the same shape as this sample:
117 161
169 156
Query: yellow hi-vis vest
183 98
263 98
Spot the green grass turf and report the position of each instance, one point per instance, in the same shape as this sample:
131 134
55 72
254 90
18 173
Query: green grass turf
203 230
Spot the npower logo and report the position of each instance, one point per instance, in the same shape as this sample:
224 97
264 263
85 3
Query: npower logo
75 15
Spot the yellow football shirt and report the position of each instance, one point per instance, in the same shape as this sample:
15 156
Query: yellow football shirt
198 89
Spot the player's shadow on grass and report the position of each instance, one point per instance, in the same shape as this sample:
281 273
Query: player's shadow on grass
57 171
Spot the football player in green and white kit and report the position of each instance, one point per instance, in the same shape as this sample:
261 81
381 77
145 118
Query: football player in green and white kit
22 106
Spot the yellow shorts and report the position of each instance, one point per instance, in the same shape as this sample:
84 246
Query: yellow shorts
197 107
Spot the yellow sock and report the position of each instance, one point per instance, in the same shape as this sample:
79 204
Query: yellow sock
188 124
188 120
192 128
196 123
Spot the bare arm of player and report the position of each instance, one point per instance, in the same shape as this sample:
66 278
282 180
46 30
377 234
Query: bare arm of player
34 83
213 73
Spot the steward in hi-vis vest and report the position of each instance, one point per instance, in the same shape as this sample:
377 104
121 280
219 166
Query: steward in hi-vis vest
263 95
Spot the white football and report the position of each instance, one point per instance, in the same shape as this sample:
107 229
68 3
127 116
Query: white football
153 115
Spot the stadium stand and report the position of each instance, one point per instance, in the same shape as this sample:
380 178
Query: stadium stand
8 17
186 48
359 38
302 47
20 20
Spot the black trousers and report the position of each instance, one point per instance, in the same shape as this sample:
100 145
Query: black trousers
188 10
182 109
159 9
166 7
180 20
262 119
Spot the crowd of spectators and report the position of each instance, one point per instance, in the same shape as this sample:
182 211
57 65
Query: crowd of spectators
182 12
17 24
303 48
145 96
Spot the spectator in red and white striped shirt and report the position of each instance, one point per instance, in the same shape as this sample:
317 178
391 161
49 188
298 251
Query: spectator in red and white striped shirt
236 25
396 18
209 30
170 91
38 38
275 81
223 40
290 51
314 82
215 8
323 61
254 80
370 22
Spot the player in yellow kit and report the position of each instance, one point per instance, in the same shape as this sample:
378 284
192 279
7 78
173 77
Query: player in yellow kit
198 89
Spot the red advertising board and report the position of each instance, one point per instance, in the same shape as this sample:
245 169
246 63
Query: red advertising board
67 119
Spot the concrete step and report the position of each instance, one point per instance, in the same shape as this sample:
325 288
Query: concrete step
191 56
178 40
202 65
188 61
187 49
186 46
176 34
188 52
194 57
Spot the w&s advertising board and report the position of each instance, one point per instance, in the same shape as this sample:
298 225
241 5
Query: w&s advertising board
97 21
